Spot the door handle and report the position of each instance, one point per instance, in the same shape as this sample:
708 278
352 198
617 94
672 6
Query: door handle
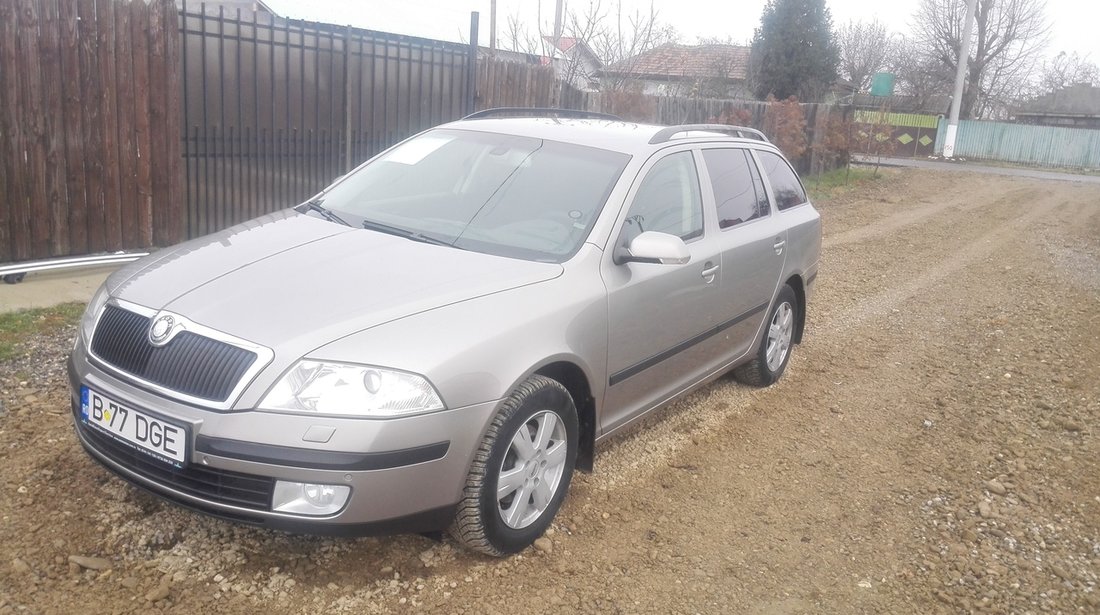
709 271
779 243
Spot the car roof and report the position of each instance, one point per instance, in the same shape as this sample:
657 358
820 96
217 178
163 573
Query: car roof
615 135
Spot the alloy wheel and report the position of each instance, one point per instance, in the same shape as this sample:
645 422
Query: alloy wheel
532 469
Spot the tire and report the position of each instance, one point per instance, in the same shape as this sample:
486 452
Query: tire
500 526
779 330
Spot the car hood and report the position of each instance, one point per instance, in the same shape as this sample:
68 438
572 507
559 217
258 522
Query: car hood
292 282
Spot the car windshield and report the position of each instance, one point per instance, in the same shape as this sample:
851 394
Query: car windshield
498 194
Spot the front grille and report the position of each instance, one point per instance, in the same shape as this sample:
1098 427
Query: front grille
211 484
190 364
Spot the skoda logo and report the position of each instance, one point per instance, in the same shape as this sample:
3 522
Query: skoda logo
161 329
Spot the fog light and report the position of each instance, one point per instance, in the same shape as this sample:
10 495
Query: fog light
309 498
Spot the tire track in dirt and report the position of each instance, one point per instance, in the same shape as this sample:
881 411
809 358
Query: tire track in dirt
1074 246
1084 213
908 217
882 303
879 422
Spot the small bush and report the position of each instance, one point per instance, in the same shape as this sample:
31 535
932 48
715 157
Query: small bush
785 125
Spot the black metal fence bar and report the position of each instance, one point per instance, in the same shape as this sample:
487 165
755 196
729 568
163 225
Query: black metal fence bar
275 109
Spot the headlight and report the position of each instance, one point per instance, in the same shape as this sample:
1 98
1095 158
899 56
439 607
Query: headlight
87 321
351 390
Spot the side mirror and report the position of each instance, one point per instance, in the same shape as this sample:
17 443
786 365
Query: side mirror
655 247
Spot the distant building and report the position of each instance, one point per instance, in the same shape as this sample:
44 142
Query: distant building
712 71
1075 106
573 61
512 56
577 63
229 7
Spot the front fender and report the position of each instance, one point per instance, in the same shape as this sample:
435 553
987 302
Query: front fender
479 350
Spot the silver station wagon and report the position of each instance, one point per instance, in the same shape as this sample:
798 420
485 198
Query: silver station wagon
440 338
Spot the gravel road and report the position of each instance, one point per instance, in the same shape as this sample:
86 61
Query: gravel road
932 448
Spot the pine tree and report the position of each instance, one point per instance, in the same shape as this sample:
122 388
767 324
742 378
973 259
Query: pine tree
793 50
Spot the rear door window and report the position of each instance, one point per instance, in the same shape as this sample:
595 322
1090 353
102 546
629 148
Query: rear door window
738 191
788 190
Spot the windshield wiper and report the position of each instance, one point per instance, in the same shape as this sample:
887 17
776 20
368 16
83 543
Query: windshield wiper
326 213
382 227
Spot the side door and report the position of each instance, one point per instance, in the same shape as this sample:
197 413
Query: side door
799 217
661 316
753 242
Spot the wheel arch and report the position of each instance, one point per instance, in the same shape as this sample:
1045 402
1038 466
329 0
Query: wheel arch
796 284
576 381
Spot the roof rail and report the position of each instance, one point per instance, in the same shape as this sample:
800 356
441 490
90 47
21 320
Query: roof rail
540 112
666 134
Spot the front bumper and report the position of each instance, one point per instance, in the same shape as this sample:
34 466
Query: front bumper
405 474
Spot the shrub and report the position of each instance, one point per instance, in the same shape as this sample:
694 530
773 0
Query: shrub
785 125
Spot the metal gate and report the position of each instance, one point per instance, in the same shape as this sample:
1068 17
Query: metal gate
275 109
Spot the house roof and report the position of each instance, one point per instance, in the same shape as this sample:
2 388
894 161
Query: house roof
511 56
568 43
677 62
1081 99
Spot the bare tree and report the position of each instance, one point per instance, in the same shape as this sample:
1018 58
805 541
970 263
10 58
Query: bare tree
866 48
919 76
585 27
1067 69
570 66
1010 36
615 36
619 38
519 39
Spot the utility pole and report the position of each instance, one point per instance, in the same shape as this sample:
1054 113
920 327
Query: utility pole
557 23
556 51
493 27
471 66
960 80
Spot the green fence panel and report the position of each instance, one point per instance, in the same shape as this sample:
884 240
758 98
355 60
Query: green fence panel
1047 146
912 120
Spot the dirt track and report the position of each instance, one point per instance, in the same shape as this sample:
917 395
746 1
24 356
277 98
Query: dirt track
932 448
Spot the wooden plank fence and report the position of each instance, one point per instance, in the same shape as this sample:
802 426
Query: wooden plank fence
88 139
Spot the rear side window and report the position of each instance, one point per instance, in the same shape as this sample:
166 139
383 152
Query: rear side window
788 190
738 192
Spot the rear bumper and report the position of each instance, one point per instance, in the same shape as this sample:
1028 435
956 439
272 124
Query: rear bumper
405 475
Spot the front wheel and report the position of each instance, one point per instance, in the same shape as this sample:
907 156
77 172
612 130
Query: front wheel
521 471
775 347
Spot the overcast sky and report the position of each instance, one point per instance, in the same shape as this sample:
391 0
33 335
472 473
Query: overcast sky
1074 23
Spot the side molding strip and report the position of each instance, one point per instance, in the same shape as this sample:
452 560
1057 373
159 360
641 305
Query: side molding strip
637 368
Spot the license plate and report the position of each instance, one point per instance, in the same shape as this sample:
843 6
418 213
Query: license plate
160 439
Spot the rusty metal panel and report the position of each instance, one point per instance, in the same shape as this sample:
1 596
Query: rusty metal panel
909 141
